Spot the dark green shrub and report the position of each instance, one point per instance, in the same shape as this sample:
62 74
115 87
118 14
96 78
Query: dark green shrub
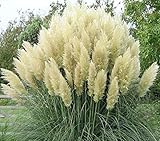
9 46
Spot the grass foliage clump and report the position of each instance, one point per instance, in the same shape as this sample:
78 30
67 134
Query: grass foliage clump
81 81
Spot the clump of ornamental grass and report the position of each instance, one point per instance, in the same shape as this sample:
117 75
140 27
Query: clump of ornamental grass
81 81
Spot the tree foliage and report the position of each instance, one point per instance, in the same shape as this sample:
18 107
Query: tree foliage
8 45
31 32
55 7
108 5
144 18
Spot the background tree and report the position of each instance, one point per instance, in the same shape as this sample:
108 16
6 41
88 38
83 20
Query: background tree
144 18
55 7
8 45
108 5
31 31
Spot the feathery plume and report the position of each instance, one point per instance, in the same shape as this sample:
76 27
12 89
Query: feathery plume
91 78
113 94
65 92
76 48
27 46
68 58
69 77
135 49
19 68
100 55
126 69
147 79
67 31
37 60
85 39
84 62
13 80
45 43
47 78
134 70
54 76
10 91
116 68
99 85
78 79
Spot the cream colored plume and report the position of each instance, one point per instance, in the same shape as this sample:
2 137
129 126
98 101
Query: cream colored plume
78 81
134 70
135 49
147 79
68 58
91 78
86 39
65 92
101 55
69 78
47 78
37 60
76 48
113 94
54 75
67 31
116 69
14 82
45 43
10 92
99 85
56 39
84 62
19 68
27 47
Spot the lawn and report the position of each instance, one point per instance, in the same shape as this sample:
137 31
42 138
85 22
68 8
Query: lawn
10 116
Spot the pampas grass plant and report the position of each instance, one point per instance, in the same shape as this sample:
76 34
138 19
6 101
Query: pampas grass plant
81 82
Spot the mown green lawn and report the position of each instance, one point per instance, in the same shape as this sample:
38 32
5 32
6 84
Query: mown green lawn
10 120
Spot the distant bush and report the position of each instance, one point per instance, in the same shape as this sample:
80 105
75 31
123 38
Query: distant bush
31 32
9 45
